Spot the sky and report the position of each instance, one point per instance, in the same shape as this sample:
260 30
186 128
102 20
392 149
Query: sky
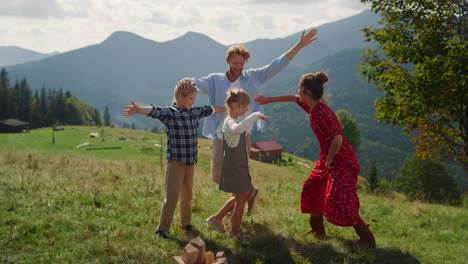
62 25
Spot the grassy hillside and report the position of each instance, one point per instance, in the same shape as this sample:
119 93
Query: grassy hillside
60 204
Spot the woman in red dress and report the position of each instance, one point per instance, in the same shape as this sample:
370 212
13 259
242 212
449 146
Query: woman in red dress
330 190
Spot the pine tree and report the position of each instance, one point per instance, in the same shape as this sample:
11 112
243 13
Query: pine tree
52 103
43 107
107 121
14 104
372 176
35 113
4 94
24 107
96 117
60 104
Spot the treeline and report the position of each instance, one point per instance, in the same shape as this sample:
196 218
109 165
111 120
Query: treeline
43 107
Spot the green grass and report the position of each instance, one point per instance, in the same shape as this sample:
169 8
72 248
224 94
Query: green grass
60 204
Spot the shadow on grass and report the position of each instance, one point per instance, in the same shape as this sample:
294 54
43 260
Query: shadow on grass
264 246
359 254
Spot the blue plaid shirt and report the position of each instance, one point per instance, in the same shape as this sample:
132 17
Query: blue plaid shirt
182 135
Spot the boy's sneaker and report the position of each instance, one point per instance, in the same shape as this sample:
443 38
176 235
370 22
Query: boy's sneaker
252 201
188 228
162 234
216 224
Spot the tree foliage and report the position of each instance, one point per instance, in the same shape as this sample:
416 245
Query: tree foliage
426 179
350 128
44 107
4 93
107 117
420 63
372 176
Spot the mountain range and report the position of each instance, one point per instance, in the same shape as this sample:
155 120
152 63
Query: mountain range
11 55
126 66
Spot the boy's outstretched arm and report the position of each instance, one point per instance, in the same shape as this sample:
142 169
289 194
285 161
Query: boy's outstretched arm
263 100
136 109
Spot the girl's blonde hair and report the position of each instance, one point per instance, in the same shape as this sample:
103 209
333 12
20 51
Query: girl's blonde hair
184 92
239 96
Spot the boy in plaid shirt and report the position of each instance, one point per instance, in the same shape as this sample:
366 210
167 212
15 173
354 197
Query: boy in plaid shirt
181 120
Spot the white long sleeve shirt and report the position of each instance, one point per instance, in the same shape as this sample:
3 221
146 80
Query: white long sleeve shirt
233 128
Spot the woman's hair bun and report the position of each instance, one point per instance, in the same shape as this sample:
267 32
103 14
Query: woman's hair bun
321 77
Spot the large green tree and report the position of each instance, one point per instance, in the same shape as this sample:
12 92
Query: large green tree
419 59
427 179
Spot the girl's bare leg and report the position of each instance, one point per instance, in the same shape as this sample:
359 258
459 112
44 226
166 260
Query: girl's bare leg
236 219
227 207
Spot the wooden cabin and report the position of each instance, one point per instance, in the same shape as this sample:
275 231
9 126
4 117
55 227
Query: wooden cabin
266 151
13 126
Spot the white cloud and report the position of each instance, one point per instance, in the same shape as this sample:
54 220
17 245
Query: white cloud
186 13
40 9
31 8
265 21
159 17
229 23
71 24
287 2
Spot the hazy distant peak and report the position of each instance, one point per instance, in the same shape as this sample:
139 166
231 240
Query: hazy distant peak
52 53
195 37
124 36
11 55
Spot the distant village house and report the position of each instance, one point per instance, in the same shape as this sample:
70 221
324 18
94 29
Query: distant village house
13 126
266 151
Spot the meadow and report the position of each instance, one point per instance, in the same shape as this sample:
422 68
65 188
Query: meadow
63 204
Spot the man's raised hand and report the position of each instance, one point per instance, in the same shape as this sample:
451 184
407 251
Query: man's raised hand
308 38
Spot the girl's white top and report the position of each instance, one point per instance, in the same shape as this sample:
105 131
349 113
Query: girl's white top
233 128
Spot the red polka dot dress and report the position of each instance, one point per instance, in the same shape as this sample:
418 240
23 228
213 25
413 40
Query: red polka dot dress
331 192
